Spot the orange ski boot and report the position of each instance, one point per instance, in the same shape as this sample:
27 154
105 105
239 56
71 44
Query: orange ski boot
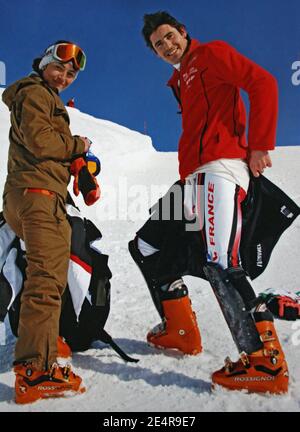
32 385
179 328
260 372
63 349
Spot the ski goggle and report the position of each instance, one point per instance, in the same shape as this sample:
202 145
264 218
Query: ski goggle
66 52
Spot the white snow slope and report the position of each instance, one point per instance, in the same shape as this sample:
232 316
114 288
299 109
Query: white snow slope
133 174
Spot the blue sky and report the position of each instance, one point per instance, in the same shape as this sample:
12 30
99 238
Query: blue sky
124 82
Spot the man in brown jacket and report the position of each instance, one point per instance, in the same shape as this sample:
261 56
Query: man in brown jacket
40 154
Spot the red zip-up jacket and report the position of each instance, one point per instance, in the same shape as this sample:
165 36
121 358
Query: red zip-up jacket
207 88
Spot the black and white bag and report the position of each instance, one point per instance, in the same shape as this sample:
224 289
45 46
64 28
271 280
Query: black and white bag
86 300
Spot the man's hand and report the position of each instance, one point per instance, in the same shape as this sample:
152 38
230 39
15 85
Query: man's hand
258 161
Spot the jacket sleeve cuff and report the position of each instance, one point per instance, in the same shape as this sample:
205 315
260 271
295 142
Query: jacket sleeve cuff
261 147
79 146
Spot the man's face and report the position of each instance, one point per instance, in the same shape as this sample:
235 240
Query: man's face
169 43
59 75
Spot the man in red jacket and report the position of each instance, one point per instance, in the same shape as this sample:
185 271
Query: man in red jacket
214 163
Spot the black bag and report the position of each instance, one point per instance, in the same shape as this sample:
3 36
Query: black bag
89 327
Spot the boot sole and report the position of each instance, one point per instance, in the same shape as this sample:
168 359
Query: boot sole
216 387
160 347
64 393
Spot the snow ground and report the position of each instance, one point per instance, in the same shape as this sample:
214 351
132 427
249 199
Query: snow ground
132 173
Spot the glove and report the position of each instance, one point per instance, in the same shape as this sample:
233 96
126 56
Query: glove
75 169
281 303
84 182
283 307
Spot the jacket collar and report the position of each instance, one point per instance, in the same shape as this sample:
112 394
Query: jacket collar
10 93
193 46
40 79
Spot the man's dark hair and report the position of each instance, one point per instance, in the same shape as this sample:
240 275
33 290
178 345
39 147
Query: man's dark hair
153 21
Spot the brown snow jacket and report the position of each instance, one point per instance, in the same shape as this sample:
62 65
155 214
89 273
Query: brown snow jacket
41 143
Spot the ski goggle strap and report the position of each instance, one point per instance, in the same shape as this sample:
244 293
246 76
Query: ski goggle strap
66 52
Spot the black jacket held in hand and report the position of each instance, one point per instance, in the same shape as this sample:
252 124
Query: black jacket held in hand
267 213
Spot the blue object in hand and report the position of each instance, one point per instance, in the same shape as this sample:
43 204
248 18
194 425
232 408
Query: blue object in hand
93 163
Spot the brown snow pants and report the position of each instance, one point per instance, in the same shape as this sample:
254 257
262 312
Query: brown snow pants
40 220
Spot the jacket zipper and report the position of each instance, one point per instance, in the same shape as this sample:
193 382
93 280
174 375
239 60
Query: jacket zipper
177 98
